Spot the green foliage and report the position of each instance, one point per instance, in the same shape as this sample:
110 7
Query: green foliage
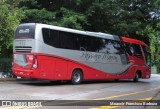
40 16
55 13
157 3
122 17
9 19
70 19
154 37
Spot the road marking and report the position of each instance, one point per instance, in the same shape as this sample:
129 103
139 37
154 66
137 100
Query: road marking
128 94
112 107
121 95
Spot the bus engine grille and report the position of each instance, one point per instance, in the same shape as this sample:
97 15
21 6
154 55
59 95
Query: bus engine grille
23 49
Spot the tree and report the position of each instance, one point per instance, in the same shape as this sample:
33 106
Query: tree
9 20
122 17
59 12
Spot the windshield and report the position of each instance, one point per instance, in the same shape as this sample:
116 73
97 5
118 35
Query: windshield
25 31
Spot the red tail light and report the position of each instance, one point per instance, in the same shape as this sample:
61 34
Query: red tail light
32 61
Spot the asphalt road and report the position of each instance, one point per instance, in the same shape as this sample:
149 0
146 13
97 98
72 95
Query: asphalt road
106 91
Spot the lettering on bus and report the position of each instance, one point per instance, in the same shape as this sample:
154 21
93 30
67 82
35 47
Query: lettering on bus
24 31
99 57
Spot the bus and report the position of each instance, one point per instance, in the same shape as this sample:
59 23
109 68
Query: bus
55 53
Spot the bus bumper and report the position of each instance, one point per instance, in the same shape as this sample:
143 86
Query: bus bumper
24 73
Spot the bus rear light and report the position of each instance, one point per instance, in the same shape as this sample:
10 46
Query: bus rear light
30 57
32 61
35 65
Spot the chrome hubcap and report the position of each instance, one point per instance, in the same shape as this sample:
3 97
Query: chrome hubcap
76 77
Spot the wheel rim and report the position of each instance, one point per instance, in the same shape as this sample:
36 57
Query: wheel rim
76 77
137 76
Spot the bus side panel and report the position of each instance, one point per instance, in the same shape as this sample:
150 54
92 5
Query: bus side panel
140 62
146 72
130 74
52 68
47 68
92 73
61 72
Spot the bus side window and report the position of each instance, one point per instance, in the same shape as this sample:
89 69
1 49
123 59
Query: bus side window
128 49
80 42
66 40
54 34
136 50
46 35
110 46
50 37
92 44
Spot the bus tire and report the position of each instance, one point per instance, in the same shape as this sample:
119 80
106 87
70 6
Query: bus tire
136 78
77 77
116 80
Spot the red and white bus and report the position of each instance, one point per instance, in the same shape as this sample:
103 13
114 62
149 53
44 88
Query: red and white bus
55 53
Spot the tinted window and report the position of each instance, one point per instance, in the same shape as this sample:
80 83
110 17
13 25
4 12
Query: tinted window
51 37
93 44
81 42
25 31
133 49
54 34
111 46
87 43
128 48
136 50
67 40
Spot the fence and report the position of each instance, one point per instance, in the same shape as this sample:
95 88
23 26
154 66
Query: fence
5 68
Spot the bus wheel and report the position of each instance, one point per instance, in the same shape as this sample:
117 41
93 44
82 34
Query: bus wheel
77 77
116 80
136 78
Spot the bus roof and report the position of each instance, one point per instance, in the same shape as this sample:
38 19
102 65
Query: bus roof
135 41
88 33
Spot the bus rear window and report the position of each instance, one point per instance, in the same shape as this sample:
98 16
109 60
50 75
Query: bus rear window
25 31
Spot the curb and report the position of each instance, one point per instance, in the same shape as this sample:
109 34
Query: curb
14 79
17 79
8 79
